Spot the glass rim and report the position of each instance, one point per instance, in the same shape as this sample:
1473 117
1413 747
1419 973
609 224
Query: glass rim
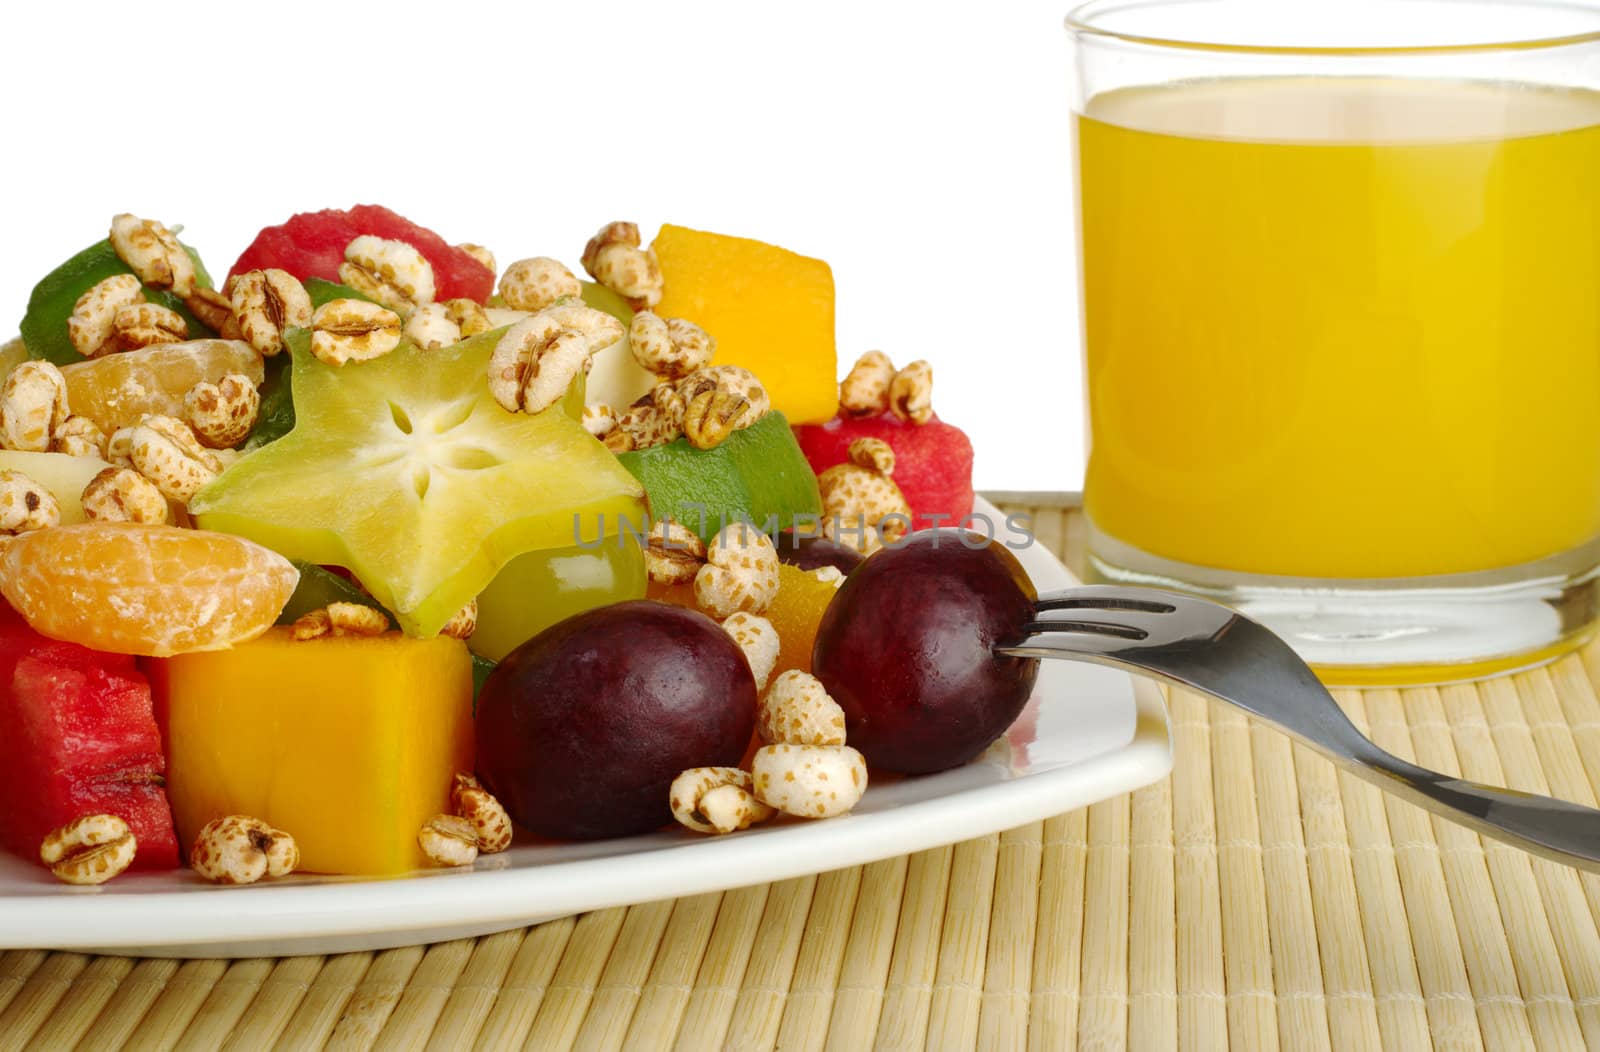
1081 22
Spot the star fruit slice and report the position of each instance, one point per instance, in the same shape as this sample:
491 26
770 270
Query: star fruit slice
406 472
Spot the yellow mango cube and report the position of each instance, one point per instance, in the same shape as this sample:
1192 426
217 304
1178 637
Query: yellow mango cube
771 311
348 744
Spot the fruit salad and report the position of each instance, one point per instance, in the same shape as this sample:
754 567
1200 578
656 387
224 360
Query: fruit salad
472 553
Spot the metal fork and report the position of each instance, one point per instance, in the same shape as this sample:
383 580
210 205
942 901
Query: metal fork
1203 646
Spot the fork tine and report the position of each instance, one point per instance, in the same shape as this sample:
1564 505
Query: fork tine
1074 646
1103 628
1163 616
1101 599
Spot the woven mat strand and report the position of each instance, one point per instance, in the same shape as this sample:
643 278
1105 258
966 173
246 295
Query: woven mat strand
1258 899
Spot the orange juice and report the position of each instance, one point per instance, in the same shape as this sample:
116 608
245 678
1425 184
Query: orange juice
1343 327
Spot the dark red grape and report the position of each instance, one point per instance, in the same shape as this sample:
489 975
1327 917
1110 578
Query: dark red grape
812 552
582 729
906 649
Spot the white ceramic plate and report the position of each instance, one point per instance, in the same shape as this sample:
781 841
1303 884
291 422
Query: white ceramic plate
1087 734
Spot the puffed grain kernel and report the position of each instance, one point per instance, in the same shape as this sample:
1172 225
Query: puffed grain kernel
392 272
153 253
283 855
716 800
215 312
671 348
873 454
166 451
341 619
264 303
357 619
223 413
911 393
469 316
673 553
534 284
25 505
809 781
93 317
667 396
464 623
798 710
488 817
479 253
618 441
538 358
239 849
829 575
614 259
144 325
353 331
449 840
599 419
655 419
865 390
119 447
314 624
862 507
719 400
430 327
89 850
79 436
759 641
123 495
33 406
741 572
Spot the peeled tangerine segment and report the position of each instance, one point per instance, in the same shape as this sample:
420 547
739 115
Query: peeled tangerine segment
348 744
118 389
64 476
127 588
771 311
405 471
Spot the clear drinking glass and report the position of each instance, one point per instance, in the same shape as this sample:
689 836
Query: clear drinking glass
1341 287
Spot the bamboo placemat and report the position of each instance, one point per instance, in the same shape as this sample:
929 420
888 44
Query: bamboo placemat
1257 899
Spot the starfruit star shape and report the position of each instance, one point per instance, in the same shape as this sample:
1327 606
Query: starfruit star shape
406 472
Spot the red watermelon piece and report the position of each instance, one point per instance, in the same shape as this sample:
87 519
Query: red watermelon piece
78 737
312 244
932 461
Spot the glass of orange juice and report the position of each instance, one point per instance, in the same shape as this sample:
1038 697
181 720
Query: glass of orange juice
1341 294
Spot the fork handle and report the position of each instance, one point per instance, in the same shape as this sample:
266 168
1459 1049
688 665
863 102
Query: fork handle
1555 829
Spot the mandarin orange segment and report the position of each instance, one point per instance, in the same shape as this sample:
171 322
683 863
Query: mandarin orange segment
796 613
119 389
127 588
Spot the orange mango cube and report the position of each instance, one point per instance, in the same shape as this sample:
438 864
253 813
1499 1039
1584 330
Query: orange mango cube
796 613
348 744
771 311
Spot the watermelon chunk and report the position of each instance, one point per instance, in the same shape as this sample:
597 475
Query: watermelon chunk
78 737
932 461
312 244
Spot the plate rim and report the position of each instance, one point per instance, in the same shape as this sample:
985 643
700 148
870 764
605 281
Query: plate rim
163 923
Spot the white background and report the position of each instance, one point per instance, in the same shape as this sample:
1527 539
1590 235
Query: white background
922 149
